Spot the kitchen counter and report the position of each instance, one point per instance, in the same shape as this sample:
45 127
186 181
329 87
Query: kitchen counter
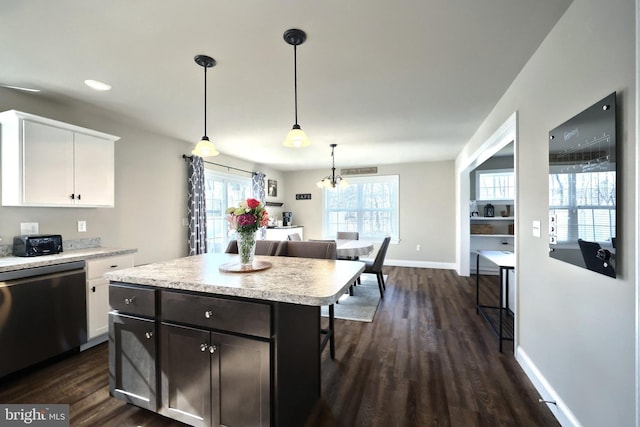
12 263
257 334
305 281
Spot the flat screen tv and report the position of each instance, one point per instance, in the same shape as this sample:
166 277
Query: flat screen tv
582 189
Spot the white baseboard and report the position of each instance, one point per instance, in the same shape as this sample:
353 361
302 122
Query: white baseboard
94 341
420 264
560 410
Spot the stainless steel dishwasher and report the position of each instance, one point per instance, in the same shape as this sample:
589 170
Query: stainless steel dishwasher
43 313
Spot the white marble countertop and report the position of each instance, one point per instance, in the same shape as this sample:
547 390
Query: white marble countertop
12 263
303 281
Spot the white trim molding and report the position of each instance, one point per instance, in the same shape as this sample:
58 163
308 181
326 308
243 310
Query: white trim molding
417 264
560 410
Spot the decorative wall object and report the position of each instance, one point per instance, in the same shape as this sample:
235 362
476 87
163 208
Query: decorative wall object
582 189
272 188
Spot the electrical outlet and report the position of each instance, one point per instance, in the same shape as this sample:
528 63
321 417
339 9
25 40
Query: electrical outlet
29 228
418 247
82 226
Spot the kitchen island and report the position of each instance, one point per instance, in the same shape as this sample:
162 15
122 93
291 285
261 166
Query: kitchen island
208 347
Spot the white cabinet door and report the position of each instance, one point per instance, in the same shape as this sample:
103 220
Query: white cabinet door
97 307
94 170
98 291
48 165
51 163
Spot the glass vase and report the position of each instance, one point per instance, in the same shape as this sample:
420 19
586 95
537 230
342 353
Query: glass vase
246 248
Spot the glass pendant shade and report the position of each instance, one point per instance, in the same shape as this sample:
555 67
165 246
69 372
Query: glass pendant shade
296 138
205 148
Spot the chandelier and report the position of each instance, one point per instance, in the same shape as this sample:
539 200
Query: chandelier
332 181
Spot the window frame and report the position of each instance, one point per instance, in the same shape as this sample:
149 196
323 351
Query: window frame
506 171
226 235
330 227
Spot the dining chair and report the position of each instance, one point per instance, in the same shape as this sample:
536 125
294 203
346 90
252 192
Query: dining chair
318 250
592 261
348 235
263 247
295 237
375 267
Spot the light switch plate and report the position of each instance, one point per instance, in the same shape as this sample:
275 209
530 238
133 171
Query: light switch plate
536 229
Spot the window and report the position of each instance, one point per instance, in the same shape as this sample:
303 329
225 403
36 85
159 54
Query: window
369 205
497 184
586 200
221 192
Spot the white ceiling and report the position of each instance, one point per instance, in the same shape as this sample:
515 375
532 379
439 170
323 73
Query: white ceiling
389 82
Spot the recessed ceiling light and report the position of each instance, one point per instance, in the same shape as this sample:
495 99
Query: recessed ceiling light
24 89
96 85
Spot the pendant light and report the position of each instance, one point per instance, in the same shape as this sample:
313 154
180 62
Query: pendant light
331 181
296 137
205 148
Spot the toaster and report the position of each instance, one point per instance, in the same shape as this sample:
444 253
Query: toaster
37 244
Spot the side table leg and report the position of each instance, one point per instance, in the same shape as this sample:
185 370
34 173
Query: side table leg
500 308
478 284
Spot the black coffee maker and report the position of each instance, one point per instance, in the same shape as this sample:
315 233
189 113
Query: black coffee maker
287 219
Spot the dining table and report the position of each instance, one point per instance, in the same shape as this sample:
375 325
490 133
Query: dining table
353 248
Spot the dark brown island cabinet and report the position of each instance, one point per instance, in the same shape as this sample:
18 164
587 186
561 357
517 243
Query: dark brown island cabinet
210 360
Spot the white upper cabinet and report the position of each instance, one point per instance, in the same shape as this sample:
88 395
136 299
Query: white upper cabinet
50 163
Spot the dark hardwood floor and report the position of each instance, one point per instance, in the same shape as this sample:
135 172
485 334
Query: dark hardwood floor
427 360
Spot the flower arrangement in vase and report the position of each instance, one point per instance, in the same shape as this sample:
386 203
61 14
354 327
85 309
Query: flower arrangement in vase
246 219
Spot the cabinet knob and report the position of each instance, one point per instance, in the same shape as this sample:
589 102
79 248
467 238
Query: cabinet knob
148 335
208 314
203 347
129 301
93 289
73 196
212 349
79 196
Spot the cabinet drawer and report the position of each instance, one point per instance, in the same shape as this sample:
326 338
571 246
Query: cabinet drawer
216 313
98 266
133 300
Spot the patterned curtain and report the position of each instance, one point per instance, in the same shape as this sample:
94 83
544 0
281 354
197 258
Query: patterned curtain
196 209
258 193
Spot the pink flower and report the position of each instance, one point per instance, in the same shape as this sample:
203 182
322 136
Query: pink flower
264 221
246 219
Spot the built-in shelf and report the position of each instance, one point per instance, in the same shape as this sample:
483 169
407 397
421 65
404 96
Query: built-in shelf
491 218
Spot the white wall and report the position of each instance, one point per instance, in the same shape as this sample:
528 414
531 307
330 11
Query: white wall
427 211
576 327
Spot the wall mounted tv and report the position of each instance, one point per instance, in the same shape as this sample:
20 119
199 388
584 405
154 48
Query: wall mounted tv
582 189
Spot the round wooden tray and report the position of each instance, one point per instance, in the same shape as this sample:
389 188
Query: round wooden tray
236 267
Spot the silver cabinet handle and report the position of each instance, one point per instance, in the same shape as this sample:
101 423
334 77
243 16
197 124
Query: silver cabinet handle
203 347
212 349
208 314
129 301
149 334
